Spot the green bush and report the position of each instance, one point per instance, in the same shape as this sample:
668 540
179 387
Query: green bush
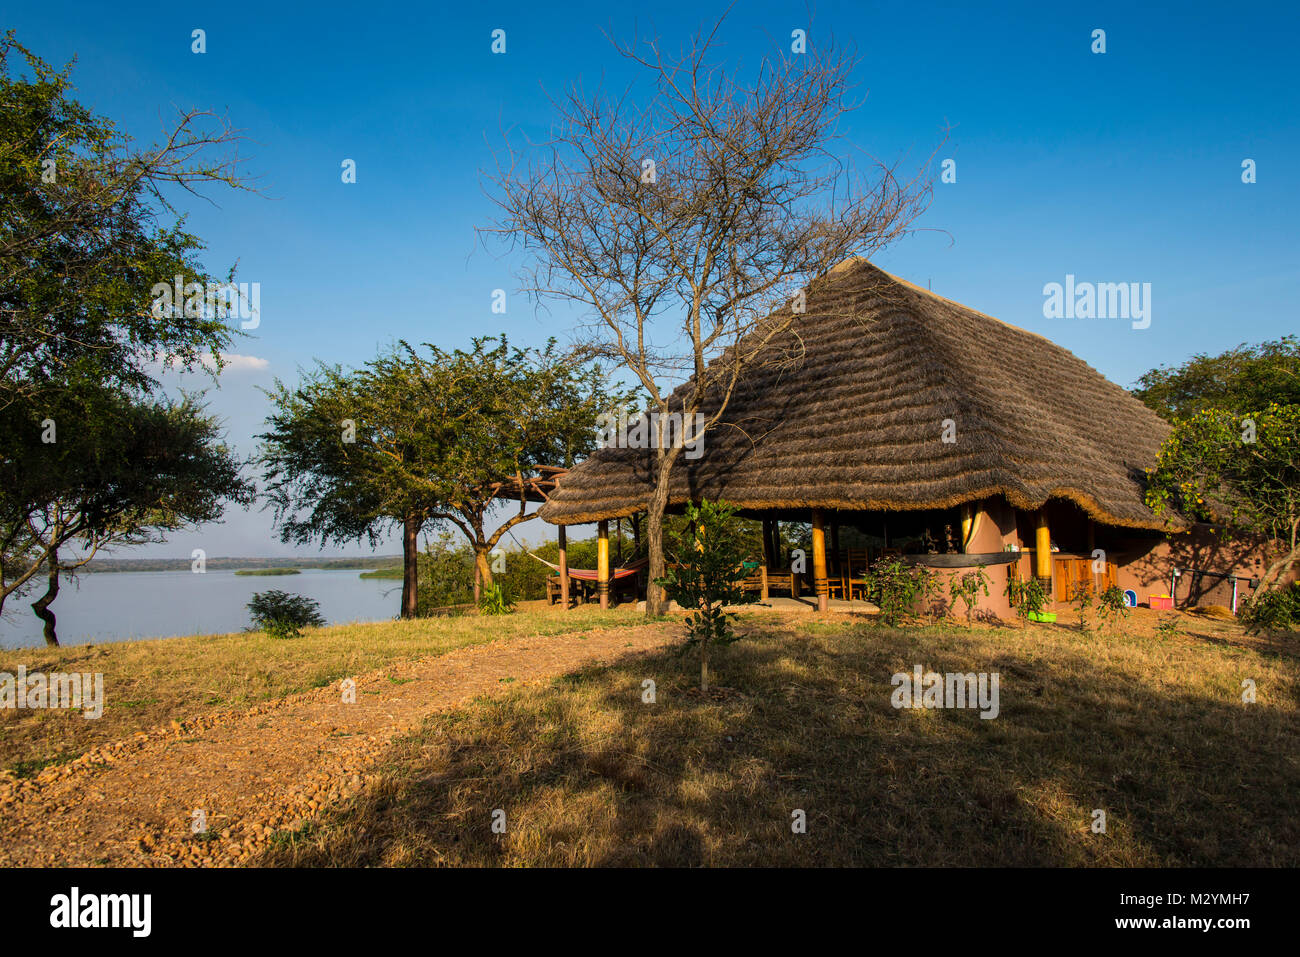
1112 607
707 579
1276 610
895 586
493 600
1167 628
1027 596
1082 598
966 588
281 615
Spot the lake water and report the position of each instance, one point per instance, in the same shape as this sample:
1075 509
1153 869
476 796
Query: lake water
120 606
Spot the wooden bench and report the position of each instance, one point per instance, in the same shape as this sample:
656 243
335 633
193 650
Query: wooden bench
771 580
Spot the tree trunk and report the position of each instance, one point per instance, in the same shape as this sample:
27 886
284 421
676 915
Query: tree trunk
1274 573
410 565
482 571
655 602
41 605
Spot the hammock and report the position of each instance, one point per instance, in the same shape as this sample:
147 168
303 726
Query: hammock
591 574
588 574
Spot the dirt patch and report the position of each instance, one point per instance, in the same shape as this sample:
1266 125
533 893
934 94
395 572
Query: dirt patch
261 773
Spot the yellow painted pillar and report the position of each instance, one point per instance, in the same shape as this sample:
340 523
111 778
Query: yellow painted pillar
564 567
1042 547
602 563
820 584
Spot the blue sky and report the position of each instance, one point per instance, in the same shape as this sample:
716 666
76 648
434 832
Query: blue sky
1115 167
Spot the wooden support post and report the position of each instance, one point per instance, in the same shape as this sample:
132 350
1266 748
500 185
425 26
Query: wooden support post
602 562
820 585
767 543
564 567
1042 548
764 592
967 525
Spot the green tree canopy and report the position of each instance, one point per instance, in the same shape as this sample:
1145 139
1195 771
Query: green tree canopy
414 437
87 232
87 235
1242 470
101 469
1240 380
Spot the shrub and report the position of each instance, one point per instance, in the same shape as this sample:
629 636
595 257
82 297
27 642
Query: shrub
707 579
1111 606
966 589
1276 610
927 587
1028 597
1082 599
281 615
1167 628
493 600
895 586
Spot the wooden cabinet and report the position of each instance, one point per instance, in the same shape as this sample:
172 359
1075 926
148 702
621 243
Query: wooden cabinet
1067 573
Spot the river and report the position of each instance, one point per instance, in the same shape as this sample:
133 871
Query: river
122 606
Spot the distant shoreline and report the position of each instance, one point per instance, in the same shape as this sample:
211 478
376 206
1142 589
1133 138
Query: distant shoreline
118 565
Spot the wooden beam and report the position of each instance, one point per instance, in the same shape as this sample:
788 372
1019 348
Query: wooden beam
1042 547
602 562
564 567
767 543
820 584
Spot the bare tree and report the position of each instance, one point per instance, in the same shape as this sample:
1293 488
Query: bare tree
685 215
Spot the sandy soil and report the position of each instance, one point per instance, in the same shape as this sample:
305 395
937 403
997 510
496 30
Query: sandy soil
266 769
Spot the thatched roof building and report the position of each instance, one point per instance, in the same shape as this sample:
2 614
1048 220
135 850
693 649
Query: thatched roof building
856 422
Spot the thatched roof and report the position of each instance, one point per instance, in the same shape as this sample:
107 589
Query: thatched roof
855 422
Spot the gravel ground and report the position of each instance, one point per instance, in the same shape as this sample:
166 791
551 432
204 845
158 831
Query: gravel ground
271 768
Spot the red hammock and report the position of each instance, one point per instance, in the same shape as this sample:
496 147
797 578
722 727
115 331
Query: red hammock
591 574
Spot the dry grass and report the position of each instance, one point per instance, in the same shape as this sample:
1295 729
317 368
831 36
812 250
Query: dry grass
149 683
1151 730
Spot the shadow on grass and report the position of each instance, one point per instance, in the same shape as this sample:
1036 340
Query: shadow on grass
1154 735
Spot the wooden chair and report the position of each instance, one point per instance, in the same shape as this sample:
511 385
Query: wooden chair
853 573
835 584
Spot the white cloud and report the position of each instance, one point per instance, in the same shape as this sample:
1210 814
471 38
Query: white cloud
233 362
237 363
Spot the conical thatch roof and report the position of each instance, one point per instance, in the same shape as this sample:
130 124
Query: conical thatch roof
856 422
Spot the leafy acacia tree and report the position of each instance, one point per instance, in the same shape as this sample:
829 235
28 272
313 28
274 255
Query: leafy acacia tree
87 231
686 215
1247 377
1234 455
415 437
1242 469
104 470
